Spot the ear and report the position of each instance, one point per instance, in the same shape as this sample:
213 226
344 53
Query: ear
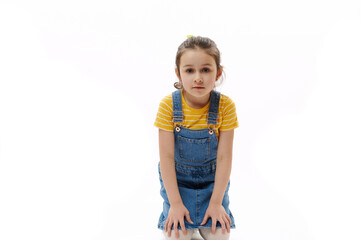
219 73
177 73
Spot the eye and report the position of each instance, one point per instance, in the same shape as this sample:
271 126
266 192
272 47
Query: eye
206 70
189 70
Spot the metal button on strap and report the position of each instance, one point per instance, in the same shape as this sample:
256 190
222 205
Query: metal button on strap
211 131
177 128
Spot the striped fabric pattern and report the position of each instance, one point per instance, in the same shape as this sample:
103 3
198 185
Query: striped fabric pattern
197 118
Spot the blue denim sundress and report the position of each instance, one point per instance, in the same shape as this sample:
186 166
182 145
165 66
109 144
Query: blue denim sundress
195 155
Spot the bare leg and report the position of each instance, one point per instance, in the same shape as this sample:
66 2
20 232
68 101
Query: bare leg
181 236
207 234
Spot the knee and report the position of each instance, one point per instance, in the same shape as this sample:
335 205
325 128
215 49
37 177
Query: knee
188 236
208 235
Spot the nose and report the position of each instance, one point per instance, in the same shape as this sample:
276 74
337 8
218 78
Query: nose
198 78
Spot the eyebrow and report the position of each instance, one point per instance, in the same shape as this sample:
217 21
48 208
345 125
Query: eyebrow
190 65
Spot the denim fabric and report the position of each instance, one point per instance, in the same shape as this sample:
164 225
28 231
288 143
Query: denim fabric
195 155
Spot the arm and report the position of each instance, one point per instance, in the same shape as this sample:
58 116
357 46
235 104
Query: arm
167 166
224 165
177 210
223 171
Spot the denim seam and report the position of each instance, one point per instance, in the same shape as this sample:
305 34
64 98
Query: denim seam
197 204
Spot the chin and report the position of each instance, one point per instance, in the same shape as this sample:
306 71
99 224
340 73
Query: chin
200 93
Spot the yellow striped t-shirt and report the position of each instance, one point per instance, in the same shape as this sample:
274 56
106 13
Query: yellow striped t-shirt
197 118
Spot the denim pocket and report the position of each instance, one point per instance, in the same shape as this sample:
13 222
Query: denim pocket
194 150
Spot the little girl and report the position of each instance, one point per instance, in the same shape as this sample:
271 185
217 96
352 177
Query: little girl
196 125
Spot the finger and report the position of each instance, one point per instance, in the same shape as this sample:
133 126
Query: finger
188 217
183 227
170 228
228 226
214 223
166 225
205 219
229 220
175 226
223 226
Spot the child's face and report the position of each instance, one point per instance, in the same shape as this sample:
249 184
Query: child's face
197 72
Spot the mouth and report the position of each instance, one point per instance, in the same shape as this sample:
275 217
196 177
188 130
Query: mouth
198 87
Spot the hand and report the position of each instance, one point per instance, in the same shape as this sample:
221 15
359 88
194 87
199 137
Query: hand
217 213
176 215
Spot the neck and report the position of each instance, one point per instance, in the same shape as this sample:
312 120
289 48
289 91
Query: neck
196 102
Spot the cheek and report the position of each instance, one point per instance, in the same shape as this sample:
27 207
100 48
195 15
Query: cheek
211 78
186 83
186 79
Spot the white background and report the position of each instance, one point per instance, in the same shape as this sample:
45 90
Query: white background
80 84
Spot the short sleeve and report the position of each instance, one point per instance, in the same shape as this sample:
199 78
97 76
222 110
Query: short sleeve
165 114
229 115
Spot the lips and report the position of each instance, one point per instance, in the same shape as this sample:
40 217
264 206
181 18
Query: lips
198 87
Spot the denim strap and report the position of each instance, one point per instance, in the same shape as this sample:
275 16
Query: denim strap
212 112
213 108
177 106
